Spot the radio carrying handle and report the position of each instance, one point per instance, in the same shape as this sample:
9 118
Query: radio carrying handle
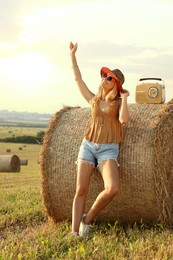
150 79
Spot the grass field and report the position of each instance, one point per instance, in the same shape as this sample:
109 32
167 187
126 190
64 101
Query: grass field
26 232
9 131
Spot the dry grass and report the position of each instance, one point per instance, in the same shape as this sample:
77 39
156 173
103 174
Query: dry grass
26 233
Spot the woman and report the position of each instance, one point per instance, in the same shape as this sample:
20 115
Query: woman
100 144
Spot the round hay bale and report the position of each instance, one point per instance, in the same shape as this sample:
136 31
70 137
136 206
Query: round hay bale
146 165
8 150
9 163
23 161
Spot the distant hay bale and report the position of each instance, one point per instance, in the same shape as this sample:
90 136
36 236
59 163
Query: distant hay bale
146 166
9 163
8 150
20 148
23 161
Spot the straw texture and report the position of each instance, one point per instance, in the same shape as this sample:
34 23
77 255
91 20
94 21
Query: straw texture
146 165
9 163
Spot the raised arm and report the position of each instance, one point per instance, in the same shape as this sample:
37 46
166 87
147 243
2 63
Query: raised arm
86 93
124 111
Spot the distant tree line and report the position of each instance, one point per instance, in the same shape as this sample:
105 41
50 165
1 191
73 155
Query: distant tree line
27 139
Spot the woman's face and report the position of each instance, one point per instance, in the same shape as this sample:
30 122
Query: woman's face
108 82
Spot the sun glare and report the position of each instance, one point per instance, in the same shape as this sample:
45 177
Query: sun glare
29 71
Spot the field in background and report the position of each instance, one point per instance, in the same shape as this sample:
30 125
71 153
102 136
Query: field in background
26 232
10 131
23 151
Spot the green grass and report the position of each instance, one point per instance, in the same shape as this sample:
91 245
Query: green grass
27 233
9 131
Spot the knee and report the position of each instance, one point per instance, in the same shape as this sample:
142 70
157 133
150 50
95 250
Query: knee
80 192
112 191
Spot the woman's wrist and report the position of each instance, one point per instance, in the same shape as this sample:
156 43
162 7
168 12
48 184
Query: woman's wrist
72 54
74 66
124 100
124 97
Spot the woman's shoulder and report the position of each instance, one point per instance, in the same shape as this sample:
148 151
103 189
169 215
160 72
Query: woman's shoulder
117 101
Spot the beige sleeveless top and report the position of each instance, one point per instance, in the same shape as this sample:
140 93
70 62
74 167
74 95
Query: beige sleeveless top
105 125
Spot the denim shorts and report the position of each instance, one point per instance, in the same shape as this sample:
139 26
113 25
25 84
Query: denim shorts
96 153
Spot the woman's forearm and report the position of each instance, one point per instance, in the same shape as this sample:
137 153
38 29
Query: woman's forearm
75 68
124 112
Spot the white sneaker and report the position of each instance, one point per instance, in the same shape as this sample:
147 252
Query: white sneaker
84 228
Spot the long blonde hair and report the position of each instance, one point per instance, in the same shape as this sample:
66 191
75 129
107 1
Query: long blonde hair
110 97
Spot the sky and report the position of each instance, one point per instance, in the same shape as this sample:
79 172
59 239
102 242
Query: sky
35 67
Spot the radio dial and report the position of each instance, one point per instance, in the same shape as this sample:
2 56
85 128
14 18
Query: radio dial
153 92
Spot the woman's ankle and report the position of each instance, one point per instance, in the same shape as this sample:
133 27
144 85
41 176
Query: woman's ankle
85 220
74 233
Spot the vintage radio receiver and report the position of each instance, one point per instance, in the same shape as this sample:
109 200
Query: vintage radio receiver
150 91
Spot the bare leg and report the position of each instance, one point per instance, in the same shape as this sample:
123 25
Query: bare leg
110 174
82 186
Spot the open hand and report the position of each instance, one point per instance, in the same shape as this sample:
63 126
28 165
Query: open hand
73 47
